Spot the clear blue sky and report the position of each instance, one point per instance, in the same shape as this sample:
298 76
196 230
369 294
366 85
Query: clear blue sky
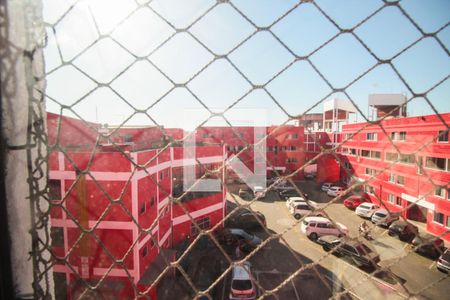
260 58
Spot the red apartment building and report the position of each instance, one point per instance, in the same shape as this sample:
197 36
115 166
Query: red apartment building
410 164
118 217
285 148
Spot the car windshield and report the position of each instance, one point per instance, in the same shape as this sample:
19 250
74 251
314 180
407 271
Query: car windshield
446 256
381 215
241 285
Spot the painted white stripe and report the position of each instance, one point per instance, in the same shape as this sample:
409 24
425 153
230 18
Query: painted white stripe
64 269
198 213
114 272
60 161
419 201
102 224
148 237
101 176
165 237
191 161
153 169
163 203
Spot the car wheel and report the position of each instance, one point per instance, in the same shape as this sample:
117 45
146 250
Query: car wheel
391 233
297 216
326 248
313 236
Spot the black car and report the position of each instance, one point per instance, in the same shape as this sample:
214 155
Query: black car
288 193
245 219
405 231
208 270
359 253
428 245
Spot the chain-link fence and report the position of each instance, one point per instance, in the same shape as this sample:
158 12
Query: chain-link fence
114 221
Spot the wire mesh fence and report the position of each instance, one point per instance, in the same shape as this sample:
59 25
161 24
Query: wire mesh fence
120 224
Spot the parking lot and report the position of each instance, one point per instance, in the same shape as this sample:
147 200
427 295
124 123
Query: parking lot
413 273
294 267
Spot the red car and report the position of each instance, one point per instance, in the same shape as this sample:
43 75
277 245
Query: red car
353 201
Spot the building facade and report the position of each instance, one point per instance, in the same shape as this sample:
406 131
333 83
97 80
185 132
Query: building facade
407 161
114 212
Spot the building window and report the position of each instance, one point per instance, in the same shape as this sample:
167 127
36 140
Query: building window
371 136
365 153
128 138
407 158
391 156
152 201
57 235
142 209
202 223
400 180
292 148
398 201
161 175
391 177
375 154
348 136
438 218
393 136
291 160
352 151
369 189
367 171
54 187
440 192
391 198
402 136
443 136
294 136
419 164
448 221
144 251
167 172
436 163
240 148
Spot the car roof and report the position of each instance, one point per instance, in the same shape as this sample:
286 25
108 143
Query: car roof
382 210
297 199
317 219
241 272
367 204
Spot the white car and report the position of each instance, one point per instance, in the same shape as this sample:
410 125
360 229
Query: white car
382 217
366 209
325 186
293 200
335 191
242 285
314 227
301 209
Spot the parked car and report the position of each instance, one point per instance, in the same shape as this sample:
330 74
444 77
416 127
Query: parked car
360 253
249 239
242 285
335 191
443 262
314 227
366 209
310 208
325 186
404 230
428 245
382 217
288 193
354 201
283 186
291 201
245 219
